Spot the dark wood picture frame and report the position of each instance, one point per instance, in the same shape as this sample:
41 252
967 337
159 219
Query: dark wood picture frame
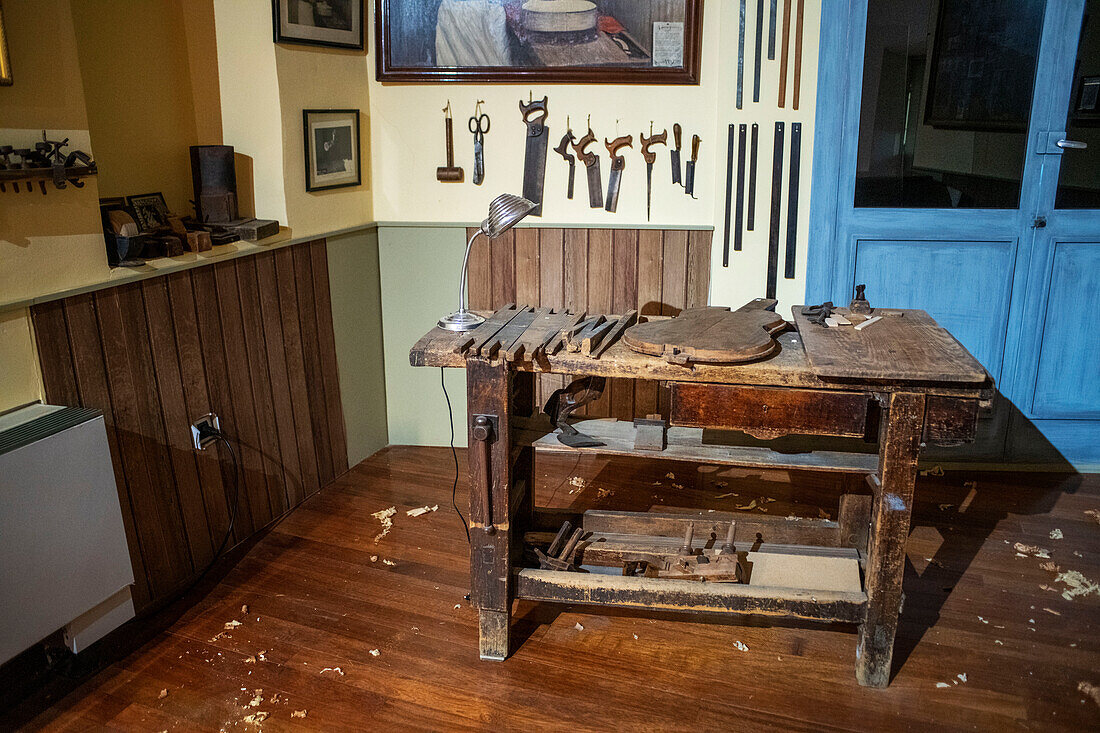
282 37
310 161
688 73
139 206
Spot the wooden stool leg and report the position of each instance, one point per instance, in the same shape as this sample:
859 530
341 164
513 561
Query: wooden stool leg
899 444
488 398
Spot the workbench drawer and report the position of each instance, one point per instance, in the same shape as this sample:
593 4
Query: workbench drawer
767 412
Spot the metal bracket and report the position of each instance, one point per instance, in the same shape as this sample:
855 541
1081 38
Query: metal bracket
484 429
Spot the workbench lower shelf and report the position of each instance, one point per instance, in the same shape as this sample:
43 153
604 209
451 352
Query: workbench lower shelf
687 444
661 594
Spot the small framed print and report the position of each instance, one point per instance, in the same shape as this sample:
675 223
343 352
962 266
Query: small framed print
150 211
332 148
333 23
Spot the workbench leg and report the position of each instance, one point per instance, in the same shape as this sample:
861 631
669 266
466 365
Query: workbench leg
488 398
899 445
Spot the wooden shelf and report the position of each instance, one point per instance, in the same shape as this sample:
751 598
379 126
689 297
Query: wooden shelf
686 444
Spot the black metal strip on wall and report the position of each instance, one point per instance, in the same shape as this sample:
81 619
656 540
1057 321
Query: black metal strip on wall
792 201
759 50
740 218
751 224
777 194
729 200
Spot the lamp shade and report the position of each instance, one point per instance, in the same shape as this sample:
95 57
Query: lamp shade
505 212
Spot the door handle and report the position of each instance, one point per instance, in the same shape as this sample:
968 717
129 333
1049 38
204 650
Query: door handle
1071 144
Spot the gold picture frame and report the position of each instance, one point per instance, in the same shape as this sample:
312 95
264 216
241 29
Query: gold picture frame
5 62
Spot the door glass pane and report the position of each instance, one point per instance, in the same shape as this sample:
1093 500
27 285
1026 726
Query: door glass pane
947 89
1079 179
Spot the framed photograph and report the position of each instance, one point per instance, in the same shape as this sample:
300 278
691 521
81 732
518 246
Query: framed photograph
332 148
333 23
550 41
5 62
983 55
150 211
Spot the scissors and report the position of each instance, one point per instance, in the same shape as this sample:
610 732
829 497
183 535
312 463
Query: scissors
479 126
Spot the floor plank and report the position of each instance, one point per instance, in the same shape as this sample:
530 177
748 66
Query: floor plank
322 594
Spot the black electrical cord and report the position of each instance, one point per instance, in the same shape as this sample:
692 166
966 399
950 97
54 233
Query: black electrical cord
454 455
232 510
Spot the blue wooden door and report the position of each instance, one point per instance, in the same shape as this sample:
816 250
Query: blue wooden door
943 169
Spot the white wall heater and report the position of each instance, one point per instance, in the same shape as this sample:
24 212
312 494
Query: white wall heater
63 557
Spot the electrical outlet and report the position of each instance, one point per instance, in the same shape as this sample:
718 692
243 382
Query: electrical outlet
208 421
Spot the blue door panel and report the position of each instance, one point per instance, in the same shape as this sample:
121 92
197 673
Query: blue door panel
941 277
1067 382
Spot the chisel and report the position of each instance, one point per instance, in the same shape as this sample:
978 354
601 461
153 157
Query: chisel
618 164
592 164
534 161
675 153
750 225
777 193
739 219
689 176
792 201
650 158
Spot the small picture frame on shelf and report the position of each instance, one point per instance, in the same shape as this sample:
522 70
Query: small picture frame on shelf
150 211
332 23
331 148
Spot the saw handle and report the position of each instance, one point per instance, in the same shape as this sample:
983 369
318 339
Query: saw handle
695 140
677 131
649 142
580 145
613 147
534 113
563 146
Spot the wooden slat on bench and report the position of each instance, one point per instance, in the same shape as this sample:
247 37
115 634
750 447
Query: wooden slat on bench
661 594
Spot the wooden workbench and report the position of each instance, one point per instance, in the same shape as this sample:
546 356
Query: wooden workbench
902 382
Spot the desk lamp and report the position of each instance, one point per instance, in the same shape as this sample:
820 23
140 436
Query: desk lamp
505 212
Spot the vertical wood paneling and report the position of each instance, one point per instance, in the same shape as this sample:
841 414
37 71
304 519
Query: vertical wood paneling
575 285
503 272
208 318
650 271
267 433
87 353
698 269
326 348
234 338
600 294
624 297
527 266
244 431
296 373
169 386
311 359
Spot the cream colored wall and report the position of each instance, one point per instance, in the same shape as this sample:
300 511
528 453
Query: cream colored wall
20 379
141 111
407 144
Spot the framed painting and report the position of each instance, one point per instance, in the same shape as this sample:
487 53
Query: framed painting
150 211
550 41
5 62
332 148
332 23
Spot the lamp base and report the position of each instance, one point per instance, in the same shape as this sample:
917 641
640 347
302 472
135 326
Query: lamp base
461 321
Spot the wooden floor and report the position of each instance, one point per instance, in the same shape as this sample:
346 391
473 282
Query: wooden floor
363 634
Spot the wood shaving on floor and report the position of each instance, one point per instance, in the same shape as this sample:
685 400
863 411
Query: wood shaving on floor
374 652
231 625
298 714
256 718
163 694
740 646
1090 690
422 510
335 670
1094 513
1032 550
1056 534
1076 585
578 626
383 516
391 563
257 699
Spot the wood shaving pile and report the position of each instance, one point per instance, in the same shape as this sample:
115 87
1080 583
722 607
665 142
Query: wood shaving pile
387 523
1076 585
1032 550
256 718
